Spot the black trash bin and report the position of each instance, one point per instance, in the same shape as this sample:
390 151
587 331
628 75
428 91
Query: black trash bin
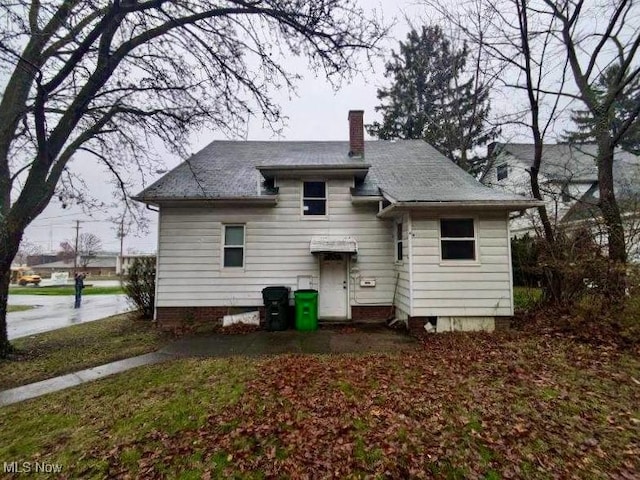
276 307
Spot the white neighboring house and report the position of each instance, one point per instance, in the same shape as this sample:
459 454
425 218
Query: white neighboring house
379 228
124 262
569 184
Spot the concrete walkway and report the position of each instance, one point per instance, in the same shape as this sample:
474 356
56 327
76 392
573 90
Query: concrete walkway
341 340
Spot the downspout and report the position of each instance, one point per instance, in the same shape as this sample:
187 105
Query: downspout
155 295
410 241
510 262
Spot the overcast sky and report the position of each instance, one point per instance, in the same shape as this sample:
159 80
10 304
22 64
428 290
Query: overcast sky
316 113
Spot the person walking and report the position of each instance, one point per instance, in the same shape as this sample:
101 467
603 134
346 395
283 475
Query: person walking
79 278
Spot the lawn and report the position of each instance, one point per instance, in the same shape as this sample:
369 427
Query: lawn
525 298
509 405
81 346
18 308
64 290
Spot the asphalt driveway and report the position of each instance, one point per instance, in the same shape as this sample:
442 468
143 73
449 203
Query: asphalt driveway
53 312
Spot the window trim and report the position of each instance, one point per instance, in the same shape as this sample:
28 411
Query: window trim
396 241
326 200
506 172
476 241
224 246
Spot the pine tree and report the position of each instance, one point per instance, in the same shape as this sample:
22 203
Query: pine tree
433 97
622 108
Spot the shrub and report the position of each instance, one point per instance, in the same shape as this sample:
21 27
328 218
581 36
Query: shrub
141 286
524 258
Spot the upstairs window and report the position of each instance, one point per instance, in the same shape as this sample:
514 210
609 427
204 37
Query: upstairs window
399 253
314 198
457 239
565 195
233 246
502 171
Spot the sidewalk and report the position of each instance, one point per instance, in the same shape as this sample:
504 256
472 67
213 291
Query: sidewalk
341 340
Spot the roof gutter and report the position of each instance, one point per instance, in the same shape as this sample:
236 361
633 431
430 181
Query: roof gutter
366 198
168 201
358 170
511 206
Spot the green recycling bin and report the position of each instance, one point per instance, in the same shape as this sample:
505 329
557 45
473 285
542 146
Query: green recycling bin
306 309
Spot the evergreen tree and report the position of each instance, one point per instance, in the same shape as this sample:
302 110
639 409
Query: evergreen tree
434 98
621 110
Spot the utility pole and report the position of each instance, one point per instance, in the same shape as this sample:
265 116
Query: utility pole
75 253
121 235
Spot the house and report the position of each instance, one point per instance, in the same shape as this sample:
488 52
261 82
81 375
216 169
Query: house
568 180
124 262
41 258
101 265
379 228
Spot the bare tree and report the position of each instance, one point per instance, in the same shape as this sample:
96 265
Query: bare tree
614 41
519 57
26 250
67 251
105 78
89 245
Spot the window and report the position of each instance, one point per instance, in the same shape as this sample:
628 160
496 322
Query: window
314 198
502 171
457 239
233 246
564 194
399 254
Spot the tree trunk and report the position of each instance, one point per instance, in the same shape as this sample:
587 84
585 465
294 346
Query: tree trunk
8 250
608 203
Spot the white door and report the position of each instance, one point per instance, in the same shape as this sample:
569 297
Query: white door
333 286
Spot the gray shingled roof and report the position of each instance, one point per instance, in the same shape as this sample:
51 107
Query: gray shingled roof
626 186
407 170
565 162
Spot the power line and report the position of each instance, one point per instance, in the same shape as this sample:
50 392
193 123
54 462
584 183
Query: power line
101 210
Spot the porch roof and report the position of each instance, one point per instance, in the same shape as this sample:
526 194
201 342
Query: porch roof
324 244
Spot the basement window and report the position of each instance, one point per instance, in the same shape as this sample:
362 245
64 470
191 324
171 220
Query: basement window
457 239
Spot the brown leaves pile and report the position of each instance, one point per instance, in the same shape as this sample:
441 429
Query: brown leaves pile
466 406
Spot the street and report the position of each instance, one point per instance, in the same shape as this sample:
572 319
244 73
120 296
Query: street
53 312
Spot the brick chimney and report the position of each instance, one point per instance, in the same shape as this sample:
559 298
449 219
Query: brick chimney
356 133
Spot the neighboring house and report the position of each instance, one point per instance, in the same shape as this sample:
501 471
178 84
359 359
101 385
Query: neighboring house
41 258
568 182
379 228
125 261
96 266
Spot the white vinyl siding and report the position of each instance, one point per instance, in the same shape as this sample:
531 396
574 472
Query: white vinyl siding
465 290
402 275
276 249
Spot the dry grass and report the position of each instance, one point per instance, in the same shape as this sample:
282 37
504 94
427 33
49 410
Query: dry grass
514 405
